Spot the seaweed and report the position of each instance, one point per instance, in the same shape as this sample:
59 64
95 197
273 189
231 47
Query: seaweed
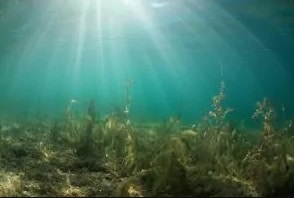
90 156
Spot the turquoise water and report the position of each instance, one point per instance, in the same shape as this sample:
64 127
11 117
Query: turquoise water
177 52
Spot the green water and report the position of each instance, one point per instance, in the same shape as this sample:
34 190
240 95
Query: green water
177 52
146 98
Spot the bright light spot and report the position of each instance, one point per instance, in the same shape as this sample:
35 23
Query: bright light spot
159 4
127 2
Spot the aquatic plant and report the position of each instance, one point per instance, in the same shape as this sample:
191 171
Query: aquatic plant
91 113
92 157
265 111
169 126
69 111
219 112
86 144
72 126
288 129
266 164
128 101
55 132
214 121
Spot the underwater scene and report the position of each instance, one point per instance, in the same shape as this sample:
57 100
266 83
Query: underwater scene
140 98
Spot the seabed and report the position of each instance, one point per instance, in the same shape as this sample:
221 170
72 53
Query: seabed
113 156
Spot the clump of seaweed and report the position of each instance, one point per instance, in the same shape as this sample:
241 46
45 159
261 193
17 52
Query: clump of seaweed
267 164
265 111
69 111
72 127
214 121
219 113
86 145
114 157
170 126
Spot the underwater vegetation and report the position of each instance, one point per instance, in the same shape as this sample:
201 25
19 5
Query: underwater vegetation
113 156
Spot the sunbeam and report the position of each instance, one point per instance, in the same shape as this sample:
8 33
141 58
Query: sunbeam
136 98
